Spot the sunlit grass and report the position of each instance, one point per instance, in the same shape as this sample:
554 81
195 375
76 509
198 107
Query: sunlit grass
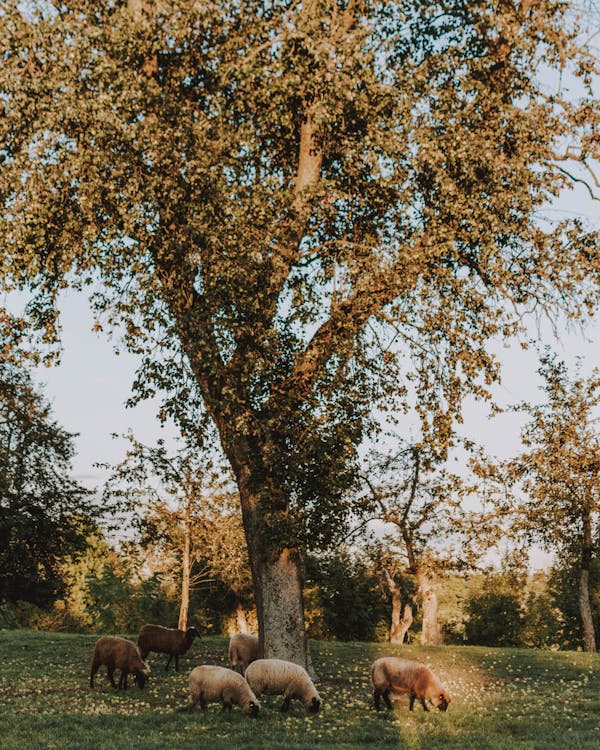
501 698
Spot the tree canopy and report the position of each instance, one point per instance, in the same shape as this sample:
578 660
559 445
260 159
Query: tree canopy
45 515
296 212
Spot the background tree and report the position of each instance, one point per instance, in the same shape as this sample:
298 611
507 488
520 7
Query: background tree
559 475
297 212
185 519
563 592
45 516
412 492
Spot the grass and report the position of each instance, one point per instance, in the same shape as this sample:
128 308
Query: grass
501 699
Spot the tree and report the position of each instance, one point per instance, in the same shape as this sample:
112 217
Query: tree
494 614
45 515
185 517
297 212
412 492
559 474
563 585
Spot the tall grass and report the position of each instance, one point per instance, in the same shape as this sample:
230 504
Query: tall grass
501 699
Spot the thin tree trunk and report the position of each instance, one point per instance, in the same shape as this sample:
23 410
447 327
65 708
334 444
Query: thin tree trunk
240 617
430 633
185 572
585 610
400 625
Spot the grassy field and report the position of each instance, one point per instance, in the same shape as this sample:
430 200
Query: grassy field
501 698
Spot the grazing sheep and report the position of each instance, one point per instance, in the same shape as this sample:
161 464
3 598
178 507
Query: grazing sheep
166 641
278 677
243 649
210 684
119 653
404 676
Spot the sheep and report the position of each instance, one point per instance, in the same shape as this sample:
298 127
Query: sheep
119 653
243 649
278 677
211 684
166 641
404 676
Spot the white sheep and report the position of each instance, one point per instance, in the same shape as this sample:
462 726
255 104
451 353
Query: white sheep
211 684
278 677
405 676
243 649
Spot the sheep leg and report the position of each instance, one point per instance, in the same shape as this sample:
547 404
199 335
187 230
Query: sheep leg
93 673
111 673
123 679
424 704
376 700
168 662
411 701
177 662
386 698
286 704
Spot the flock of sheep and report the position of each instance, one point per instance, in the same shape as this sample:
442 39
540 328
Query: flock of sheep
213 684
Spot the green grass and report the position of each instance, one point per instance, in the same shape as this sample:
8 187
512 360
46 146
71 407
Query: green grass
501 699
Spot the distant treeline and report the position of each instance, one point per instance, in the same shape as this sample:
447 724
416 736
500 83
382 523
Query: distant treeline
345 599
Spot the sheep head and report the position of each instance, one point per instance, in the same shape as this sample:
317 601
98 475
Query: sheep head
442 701
252 708
141 676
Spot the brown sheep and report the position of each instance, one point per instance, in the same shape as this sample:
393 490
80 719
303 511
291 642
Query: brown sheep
243 649
119 653
166 641
404 676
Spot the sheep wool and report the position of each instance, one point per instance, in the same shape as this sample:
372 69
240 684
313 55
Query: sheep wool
169 641
279 677
392 674
212 684
119 653
243 650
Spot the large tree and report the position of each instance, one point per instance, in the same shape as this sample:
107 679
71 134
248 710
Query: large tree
297 211
45 515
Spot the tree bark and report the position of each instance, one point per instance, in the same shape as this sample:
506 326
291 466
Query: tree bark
277 579
185 572
400 625
430 633
240 618
585 610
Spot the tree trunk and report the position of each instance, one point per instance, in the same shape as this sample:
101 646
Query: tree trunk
185 573
240 618
585 610
400 625
277 579
430 634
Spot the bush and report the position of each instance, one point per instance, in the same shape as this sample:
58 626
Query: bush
494 615
344 599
